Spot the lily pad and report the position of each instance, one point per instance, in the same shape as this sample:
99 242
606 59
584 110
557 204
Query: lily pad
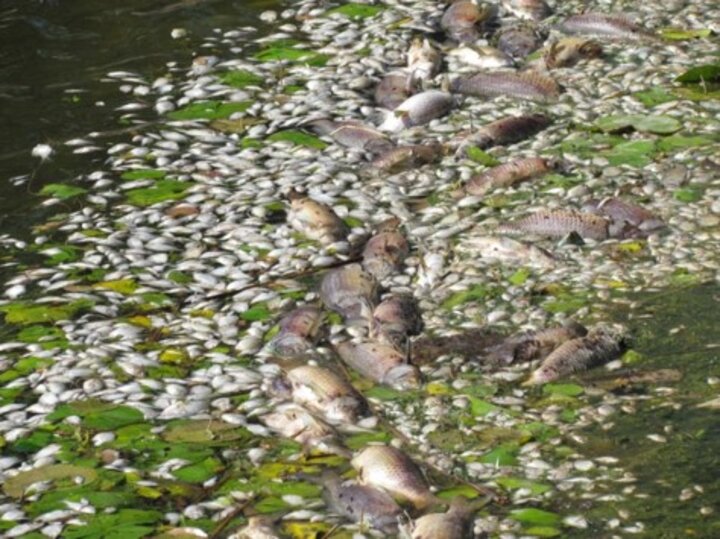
358 441
682 34
678 142
200 471
536 517
204 432
703 73
654 97
482 157
453 492
567 390
501 456
661 125
355 11
209 110
256 313
241 78
299 138
293 55
143 174
543 531
515 483
16 485
62 191
124 524
33 313
477 293
635 153
621 122
162 191
121 286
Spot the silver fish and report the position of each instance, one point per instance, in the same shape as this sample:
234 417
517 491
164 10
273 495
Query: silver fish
456 523
507 250
315 220
560 223
532 86
532 345
603 25
385 251
482 57
418 110
390 469
535 10
354 135
298 331
395 319
380 363
349 291
601 345
508 174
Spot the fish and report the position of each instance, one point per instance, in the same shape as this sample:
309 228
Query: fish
532 345
560 223
507 250
600 346
519 41
315 220
393 89
569 51
508 174
508 130
257 528
326 394
407 157
627 379
456 523
627 220
388 468
423 60
380 363
385 251
535 10
361 503
418 109
463 19
298 331
349 291
603 25
531 86
395 319
355 135
294 422
482 57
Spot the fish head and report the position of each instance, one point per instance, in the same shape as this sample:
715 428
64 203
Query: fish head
403 377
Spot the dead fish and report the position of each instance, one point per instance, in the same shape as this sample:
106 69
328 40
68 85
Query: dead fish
463 19
508 174
403 158
390 469
418 110
507 130
519 41
507 250
385 251
354 135
297 332
628 219
532 86
257 528
423 60
380 363
361 503
603 25
296 423
482 57
325 393
570 50
535 10
393 89
349 291
601 345
532 345
469 344
623 380
315 220
456 523
560 223
395 319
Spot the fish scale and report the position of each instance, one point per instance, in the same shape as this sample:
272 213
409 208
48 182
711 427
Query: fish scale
507 175
560 223
531 86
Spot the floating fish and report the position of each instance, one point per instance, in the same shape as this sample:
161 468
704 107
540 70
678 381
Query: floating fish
600 346
627 379
403 158
560 223
532 86
507 175
423 60
482 57
257 528
385 251
388 468
519 41
380 363
507 250
393 89
395 319
507 130
463 19
532 345
627 220
298 331
361 503
456 523
296 423
535 10
570 50
603 25
315 220
349 291
418 110
354 135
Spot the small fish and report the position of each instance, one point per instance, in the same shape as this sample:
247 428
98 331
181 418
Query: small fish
385 251
418 110
349 291
380 363
508 130
296 423
257 528
395 319
560 223
482 57
519 41
315 220
456 523
388 468
532 86
508 174
298 330
532 345
535 10
463 19
570 50
603 25
403 158
600 346
507 250
627 220
423 60
353 135
393 89
361 503
325 393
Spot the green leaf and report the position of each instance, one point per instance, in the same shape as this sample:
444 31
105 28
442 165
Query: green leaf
620 122
384 393
567 390
520 276
144 174
479 407
257 312
453 492
636 153
62 191
677 142
293 55
37 333
505 455
661 125
515 483
688 194
209 110
654 97
682 34
543 531
477 293
15 486
63 253
358 441
271 504
199 472
299 138
703 73
160 192
125 524
536 517
121 286
479 156
356 11
116 417
241 78
699 92
204 432
26 313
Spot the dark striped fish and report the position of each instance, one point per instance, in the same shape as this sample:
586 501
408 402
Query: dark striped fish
385 251
532 86
408 157
519 41
395 319
507 175
602 25
570 50
628 220
463 19
532 345
506 131
560 223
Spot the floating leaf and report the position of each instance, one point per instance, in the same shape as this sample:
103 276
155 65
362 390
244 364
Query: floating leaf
453 492
199 472
241 78
479 407
28 313
162 191
306 530
567 390
256 313
40 333
636 153
501 456
121 286
688 194
437 388
476 293
299 138
384 393
704 73
536 517
515 483
654 97
355 11
238 125
124 524
204 432
520 276
209 110
699 92
682 34
677 142
620 122
661 125
543 531
271 504
62 191
358 441
290 54
143 174
479 156
113 418
16 485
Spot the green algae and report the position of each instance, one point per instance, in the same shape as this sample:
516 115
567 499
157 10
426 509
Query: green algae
241 78
161 191
355 11
209 110
298 138
26 313
62 191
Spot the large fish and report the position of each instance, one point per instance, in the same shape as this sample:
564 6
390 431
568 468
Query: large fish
380 363
298 331
403 158
570 50
604 25
508 130
315 220
349 291
463 20
560 223
481 57
296 423
508 174
532 345
507 250
627 220
393 89
386 250
519 41
531 86
418 110
395 319
456 523
352 134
